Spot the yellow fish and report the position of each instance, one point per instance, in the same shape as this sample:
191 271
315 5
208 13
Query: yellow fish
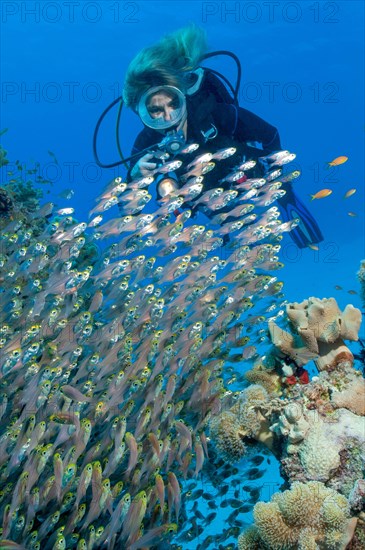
349 193
337 161
321 194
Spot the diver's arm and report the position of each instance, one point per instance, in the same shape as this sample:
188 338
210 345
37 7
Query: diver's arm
251 127
140 166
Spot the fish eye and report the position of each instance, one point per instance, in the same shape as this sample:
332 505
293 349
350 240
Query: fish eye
87 330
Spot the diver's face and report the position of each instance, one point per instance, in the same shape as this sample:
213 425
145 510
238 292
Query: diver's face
161 105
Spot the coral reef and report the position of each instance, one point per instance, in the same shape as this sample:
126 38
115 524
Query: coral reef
299 427
320 460
318 430
308 516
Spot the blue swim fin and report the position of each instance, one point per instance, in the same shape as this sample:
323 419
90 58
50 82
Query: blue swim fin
308 231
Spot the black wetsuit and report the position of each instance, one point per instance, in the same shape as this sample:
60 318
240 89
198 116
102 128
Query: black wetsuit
236 126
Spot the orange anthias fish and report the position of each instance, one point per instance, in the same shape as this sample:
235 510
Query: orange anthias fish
349 193
321 194
338 160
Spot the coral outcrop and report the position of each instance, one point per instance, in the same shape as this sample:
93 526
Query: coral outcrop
320 330
317 430
349 393
309 516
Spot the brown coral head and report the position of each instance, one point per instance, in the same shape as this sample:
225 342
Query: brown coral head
333 356
345 357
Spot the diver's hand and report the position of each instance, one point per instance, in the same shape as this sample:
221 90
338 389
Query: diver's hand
143 167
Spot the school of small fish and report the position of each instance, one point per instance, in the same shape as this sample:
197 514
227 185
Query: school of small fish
114 358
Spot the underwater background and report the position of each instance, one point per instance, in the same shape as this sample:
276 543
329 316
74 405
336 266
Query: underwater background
302 65
64 62
302 71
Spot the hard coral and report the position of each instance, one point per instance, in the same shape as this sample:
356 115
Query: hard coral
318 459
352 394
308 516
320 452
292 423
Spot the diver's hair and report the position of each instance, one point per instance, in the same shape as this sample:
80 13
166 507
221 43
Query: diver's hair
165 63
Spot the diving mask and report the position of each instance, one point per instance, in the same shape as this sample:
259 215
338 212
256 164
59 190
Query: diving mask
162 108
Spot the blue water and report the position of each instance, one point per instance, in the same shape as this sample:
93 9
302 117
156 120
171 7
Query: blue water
64 62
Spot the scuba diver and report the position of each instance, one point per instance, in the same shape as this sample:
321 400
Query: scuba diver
179 103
